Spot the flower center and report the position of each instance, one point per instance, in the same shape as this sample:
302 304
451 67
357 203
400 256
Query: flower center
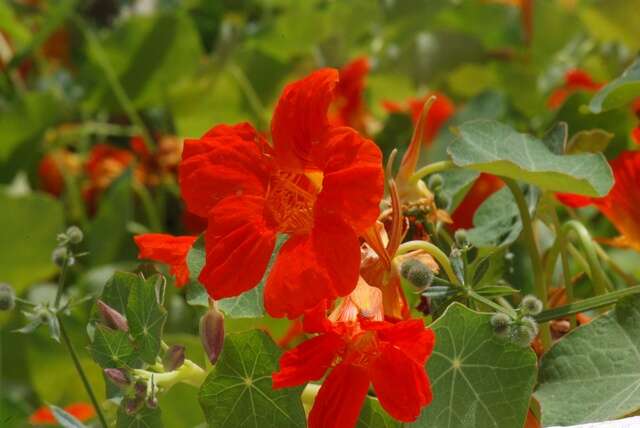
291 198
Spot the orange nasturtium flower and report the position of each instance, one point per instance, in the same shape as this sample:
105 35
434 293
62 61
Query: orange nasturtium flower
349 107
574 80
171 250
620 206
319 184
359 352
441 110
44 416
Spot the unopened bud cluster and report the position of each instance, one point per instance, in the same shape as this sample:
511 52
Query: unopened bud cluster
417 273
7 297
523 328
63 255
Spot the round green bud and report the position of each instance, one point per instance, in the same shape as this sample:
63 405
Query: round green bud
417 273
531 324
7 297
59 256
531 305
501 323
74 234
435 183
522 335
461 238
443 201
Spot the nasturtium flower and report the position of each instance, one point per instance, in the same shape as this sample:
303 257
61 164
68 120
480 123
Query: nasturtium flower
349 107
318 184
574 80
168 249
441 111
620 206
356 354
51 167
44 416
158 163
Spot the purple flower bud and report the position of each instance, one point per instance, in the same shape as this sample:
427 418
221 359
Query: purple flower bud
173 358
152 402
212 333
118 377
140 388
112 318
132 405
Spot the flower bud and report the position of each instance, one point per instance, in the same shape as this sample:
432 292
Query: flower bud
501 323
417 273
173 358
152 402
443 201
531 305
118 377
140 389
531 324
132 405
461 238
74 234
212 333
522 335
435 183
7 297
59 256
112 318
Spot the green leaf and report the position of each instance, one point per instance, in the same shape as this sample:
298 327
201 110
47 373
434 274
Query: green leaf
146 318
589 141
477 379
116 292
556 138
112 348
145 418
373 415
489 146
238 391
107 235
593 373
249 304
149 54
619 92
65 419
497 221
30 224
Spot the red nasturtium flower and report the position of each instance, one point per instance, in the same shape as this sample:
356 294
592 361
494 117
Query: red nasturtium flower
621 205
349 108
171 250
153 166
574 80
441 110
358 353
318 184
44 416
51 167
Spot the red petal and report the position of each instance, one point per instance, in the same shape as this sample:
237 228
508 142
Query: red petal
441 110
340 398
411 337
400 384
300 118
308 361
635 135
580 79
309 269
485 186
227 160
349 94
353 181
238 247
82 411
574 201
42 416
171 250
105 160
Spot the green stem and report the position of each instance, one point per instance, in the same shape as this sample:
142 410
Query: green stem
498 307
189 373
561 243
148 206
80 370
432 168
114 82
250 93
587 304
628 279
63 271
534 253
597 275
435 252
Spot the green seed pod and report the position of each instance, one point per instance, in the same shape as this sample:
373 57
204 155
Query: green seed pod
442 201
501 323
435 183
522 335
59 256
461 238
417 273
74 234
531 305
531 324
7 297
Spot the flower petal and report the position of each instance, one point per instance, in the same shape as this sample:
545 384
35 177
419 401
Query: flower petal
353 181
227 160
300 118
238 246
411 337
401 385
311 268
168 249
485 186
307 361
340 398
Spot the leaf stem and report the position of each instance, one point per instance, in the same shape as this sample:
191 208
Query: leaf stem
597 275
80 370
248 90
148 206
540 287
432 168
